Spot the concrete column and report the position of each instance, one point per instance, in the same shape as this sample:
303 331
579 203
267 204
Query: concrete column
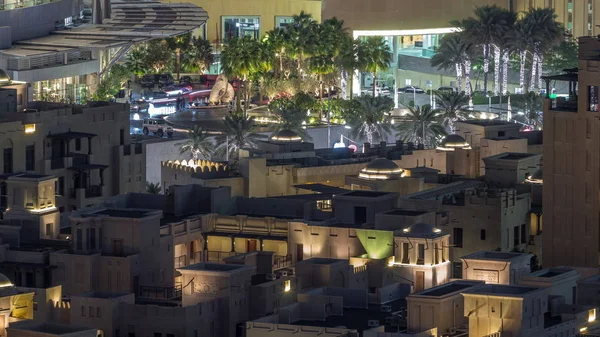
106 9
97 12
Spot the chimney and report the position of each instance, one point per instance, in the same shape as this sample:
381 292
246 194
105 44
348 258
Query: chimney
106 8
96 12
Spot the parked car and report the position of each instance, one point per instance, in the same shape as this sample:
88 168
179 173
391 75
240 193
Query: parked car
147 81
157 126
165 79
185 80
410 89
446 89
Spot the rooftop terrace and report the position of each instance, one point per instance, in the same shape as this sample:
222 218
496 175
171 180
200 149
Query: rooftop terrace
501 290
448 288
505 256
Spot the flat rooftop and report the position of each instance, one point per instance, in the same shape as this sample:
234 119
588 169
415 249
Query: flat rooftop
446 190
405 212
122 213
448 288
365 194
501 290
208 266
504 256
322 260
512 156
48 328
551 272
101 294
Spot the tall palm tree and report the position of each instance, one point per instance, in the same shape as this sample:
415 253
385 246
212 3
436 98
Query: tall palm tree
455 52
422 125
198 56
377 57
522 40
502 50
302 39
177 44
548 34
351 58
197 143
239 59
240 132
321 65
278 39
153 188
483 29
366 117
451 107
531 104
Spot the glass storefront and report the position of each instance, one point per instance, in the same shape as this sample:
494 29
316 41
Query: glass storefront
419 45
240 26
283 21
66 90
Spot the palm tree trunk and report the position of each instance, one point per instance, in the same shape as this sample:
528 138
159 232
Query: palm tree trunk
246 98
321 96
467 66
486 65
238 98
496 70
458 76
374 82
523 60
534 67
351 83
178 53
539 71
505 57
344 84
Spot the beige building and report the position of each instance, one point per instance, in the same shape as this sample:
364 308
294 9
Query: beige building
496 267
571 164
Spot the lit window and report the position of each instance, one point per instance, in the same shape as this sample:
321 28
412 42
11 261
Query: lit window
29 128
240 26
593 98
287 285
591 315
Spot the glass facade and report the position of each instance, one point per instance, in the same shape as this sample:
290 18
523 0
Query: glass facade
419 45
240 26
570 16
67 90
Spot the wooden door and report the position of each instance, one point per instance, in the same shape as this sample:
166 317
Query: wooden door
299 252
419 281
250 245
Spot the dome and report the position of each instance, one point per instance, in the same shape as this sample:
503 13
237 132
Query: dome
286 136
422 230
452 142
4 77
536 178
380 169
4 281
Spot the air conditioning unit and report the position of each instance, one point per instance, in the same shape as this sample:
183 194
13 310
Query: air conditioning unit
271 277
282 273
386 308
373 323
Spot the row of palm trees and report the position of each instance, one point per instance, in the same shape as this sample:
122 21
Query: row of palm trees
301 51
497 34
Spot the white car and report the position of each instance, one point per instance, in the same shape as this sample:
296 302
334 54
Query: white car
157 126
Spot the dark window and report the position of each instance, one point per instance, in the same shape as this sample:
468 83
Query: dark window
93 239
421 252
523 234
405 256
458 237
501 133
360 215
8 160
593 98
482 234
78 144
457 269
61 186
121 137
100 238
30 158
79 239
50 229
516 236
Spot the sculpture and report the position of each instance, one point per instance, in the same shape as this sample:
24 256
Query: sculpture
222 92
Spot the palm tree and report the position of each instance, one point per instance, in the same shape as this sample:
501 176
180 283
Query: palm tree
351 58
290 118
198 56
522 40
531 104
321 65
547 34
240 59
278 39
177 44
301 32
240 132
483 30
366 117
422 125
377 57
158 56
452 106
455 52
198 143
503 49
153 188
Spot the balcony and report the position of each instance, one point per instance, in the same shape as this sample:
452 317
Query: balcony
183 260
162 293
93 191
282 261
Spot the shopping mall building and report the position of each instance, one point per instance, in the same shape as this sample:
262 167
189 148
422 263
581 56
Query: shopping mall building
414 28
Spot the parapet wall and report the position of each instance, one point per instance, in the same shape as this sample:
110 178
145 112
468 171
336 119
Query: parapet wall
200 169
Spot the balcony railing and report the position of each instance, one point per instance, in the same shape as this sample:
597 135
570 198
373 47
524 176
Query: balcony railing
184 260
568 104
215 256
164 293
282 261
